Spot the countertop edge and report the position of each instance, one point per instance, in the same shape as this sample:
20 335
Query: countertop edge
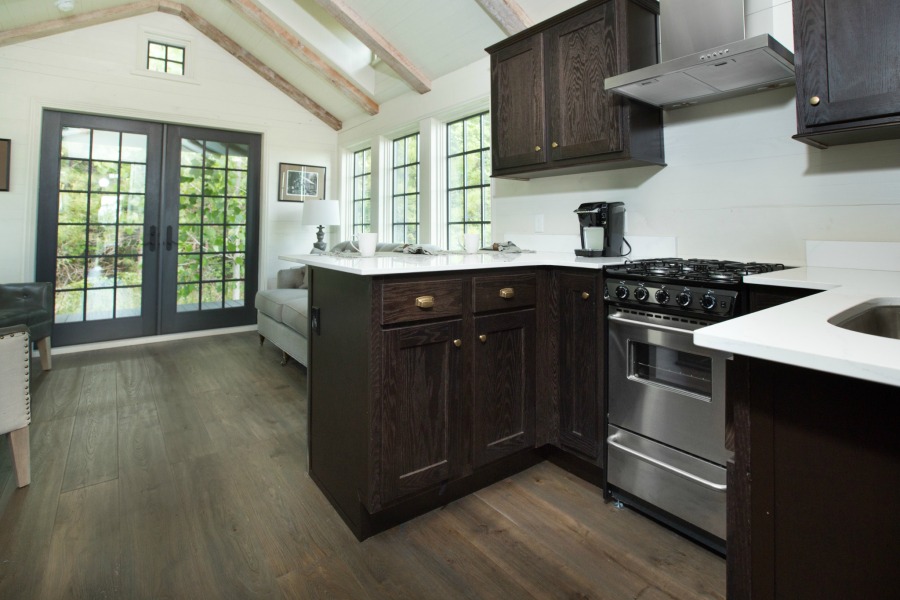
798 333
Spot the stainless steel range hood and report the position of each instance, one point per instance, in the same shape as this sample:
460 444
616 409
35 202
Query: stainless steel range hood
720 68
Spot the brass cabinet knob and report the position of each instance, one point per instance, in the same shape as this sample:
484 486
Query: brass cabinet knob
815 100
507 293
457 342
425 302
554 145
537 148
585 295
482 338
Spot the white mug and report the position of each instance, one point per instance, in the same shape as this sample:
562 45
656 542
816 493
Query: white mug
367 243
471 241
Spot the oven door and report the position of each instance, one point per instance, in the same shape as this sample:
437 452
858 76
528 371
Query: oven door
663 387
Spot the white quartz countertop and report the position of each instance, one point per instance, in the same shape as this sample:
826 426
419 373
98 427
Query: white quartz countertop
798 333
397 263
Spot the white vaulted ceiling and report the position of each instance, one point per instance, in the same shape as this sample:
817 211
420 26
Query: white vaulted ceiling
340 59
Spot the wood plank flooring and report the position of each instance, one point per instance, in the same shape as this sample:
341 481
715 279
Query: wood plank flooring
178 470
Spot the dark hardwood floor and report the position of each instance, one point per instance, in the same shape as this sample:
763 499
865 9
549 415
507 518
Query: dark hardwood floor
178 470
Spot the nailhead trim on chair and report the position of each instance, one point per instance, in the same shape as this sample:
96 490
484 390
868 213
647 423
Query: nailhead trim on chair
27 358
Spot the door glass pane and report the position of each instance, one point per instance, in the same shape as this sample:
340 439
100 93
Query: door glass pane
671 368
212 202
100 224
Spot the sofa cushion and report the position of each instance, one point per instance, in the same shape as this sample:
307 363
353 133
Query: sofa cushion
271 302
295 315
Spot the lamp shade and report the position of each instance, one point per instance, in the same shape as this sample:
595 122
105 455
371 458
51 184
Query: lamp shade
321 212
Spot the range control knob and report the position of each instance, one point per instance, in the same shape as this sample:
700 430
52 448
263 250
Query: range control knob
641 294
708 301
684 298
621 291
662 296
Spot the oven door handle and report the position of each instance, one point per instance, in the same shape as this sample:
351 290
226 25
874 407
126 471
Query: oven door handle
719 487
628 321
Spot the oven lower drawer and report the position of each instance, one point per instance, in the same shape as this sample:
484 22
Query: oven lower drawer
685 486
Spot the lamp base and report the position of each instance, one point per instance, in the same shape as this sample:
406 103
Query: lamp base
320 239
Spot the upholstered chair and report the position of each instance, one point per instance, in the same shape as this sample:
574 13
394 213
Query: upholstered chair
15 397
30 304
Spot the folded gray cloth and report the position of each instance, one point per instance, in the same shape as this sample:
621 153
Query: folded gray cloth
419 249
508 247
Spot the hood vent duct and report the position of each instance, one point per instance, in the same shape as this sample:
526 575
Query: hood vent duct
706 58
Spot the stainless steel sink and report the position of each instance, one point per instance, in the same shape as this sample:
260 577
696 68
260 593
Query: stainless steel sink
880 316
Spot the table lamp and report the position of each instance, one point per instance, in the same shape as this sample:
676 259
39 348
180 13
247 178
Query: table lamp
321 213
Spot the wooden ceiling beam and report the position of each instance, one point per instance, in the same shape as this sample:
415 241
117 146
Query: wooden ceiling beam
73 22
176 8
286 37
382 48
507 14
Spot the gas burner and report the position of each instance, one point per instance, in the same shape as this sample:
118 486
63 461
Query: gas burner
703 287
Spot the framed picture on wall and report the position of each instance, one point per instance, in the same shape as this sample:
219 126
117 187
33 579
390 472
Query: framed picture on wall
300 183
4 165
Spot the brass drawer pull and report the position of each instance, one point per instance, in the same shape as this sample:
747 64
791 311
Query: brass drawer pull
482 338
815 100
554 145
457 342
507 293
425 302
537 148
585 295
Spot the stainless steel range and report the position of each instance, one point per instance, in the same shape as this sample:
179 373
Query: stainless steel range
666 432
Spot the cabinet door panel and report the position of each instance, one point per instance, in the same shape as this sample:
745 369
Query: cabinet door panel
517 105
581 357
419 403
581 53
503 385
849 60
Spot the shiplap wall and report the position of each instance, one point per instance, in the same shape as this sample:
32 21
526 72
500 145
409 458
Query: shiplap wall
94 70
736 185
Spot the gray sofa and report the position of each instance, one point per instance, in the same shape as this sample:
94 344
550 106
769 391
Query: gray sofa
283 314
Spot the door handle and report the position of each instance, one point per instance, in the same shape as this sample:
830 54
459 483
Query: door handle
169 241
718 487
151 239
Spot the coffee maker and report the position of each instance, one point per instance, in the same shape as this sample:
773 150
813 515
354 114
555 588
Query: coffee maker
602 228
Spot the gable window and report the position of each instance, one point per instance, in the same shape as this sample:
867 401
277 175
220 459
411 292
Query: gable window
165 58
469 178
405 191
362 191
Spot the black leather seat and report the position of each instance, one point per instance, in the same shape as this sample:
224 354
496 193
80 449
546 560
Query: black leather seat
30 304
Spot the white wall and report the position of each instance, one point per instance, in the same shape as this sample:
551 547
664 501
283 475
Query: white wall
735 186
94 70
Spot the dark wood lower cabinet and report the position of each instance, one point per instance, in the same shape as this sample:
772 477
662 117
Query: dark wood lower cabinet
422 388
419 418
815 486
503 382
582 351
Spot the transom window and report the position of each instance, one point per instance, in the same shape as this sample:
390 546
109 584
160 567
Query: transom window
362 191
165 58
469 179
405 206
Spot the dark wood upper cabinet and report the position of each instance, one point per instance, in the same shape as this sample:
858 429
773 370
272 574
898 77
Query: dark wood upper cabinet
517 105
549 112
848 84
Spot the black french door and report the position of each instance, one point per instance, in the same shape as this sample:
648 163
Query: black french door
146 228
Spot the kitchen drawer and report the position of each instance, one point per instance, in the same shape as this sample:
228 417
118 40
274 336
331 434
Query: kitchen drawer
499 292
420 300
